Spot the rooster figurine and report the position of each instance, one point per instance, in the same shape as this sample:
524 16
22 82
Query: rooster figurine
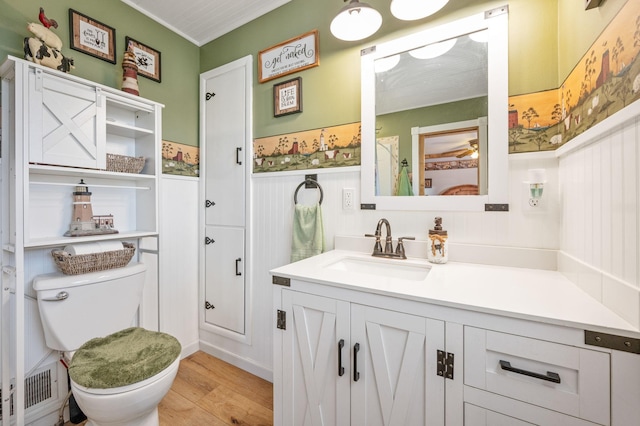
48 23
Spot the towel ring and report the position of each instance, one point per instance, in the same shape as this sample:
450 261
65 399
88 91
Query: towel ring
308 180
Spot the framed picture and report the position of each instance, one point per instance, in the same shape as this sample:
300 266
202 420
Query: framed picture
427 183
92 37
147 59
287 97
295 54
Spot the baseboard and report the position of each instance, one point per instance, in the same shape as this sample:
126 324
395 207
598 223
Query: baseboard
233 359
190 349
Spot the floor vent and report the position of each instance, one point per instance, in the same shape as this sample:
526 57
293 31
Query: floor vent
37 388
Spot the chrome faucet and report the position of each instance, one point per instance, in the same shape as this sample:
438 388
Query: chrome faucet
388 246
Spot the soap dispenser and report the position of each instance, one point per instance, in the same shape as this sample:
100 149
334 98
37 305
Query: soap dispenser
438 250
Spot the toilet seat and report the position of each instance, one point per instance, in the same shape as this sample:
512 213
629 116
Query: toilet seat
125 360
133 386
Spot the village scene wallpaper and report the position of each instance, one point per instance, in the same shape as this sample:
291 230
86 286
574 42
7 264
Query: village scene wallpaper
337 146
180 159
605 80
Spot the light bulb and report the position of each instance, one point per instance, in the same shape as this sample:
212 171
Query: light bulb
356 21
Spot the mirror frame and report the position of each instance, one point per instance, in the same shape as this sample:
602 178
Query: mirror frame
496 22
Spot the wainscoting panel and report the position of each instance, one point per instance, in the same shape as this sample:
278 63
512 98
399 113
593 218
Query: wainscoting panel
600 192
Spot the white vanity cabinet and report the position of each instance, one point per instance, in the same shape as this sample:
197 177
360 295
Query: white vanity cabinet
57 130
344 362
364 349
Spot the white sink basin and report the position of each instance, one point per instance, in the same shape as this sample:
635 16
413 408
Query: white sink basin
392 268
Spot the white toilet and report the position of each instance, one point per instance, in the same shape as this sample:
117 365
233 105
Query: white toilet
119 374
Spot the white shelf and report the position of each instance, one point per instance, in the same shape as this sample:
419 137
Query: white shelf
93 185
39 169
61 241
126 130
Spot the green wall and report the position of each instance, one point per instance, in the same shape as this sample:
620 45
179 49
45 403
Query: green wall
400 123
546 39
541 53
178 90
331 92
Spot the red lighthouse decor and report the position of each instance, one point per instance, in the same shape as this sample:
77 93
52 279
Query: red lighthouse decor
130 73
83 222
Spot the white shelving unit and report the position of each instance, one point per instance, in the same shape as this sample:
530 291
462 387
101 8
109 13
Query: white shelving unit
57 131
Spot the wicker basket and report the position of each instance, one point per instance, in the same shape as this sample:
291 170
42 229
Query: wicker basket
92 262
124 164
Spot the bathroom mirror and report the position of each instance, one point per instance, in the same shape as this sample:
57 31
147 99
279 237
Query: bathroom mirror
400 107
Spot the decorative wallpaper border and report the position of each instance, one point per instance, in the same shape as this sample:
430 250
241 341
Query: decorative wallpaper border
604 81
180 159
327 147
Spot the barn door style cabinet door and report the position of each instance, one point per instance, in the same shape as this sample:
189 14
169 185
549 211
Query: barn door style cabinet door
57 131
64 122
346 363
225 131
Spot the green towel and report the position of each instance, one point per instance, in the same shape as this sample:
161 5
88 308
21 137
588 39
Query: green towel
404 186
308 233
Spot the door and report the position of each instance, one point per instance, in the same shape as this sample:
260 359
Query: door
315 360
395 379
225 133
225 282
66 122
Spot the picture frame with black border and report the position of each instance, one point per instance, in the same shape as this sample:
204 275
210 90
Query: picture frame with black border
92 37
148 59
287 97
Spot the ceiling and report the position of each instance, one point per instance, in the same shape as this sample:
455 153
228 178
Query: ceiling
201 21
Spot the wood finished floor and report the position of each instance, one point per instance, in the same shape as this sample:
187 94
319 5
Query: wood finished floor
211 392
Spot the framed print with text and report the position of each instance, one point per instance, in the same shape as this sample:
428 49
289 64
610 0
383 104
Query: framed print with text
287 97
147 59
92 37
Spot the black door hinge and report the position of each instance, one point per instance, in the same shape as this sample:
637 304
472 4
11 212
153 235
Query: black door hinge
281 322
445 364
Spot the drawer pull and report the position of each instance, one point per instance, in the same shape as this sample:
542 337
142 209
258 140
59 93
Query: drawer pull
549 377
356 349
340 367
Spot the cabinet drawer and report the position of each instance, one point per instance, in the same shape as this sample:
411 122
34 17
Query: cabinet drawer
562 378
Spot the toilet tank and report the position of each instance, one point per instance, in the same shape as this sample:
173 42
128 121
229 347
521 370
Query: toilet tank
77 308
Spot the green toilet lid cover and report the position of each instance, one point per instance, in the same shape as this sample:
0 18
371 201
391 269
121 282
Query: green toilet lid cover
123 358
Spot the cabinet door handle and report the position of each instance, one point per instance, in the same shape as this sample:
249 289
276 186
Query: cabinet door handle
549 377
340 367
356 349
238 161
238 260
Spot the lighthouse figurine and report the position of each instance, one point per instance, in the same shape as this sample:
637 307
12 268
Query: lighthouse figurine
82 220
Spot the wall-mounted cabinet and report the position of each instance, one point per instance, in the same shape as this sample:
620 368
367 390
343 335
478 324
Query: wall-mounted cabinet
225 105
58 131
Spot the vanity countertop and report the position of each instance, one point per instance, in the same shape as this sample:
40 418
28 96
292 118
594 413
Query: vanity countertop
533 294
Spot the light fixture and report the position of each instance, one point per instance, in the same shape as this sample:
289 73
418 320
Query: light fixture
410 10
537 179
434 50
385 64
356 21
